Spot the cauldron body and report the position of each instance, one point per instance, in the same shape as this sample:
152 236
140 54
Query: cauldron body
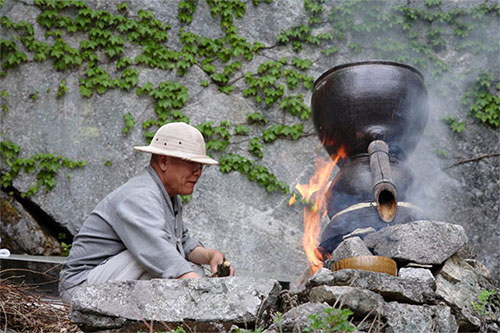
354 104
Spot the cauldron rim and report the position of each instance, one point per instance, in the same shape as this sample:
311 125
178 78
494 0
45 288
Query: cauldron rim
367 62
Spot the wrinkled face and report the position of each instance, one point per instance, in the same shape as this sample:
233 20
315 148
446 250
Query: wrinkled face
181 176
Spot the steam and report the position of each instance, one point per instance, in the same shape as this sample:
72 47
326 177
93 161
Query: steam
445 90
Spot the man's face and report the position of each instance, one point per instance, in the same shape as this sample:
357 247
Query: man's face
181 176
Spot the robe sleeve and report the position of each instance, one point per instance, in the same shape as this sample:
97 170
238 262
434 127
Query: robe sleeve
142 226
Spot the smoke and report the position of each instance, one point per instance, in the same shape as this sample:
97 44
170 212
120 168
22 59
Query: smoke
449 44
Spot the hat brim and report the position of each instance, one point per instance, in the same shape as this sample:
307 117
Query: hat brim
203 159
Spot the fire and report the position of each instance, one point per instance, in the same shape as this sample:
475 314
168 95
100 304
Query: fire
314 195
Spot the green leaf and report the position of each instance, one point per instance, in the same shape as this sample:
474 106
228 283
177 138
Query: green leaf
85 92
241 130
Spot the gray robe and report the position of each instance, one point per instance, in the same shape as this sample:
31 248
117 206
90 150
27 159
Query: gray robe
140 217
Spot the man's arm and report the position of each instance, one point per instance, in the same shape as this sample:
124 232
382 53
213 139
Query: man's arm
204 256
139 222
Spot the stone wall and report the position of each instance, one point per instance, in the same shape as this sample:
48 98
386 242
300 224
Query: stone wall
431 291
257 230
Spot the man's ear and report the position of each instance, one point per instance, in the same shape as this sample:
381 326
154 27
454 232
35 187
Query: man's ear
162 162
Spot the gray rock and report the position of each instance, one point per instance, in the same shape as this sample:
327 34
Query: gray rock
233 300
350 247
460 285
261 223
296 319
392 288
467 251
362 302
424 242
419 318
323 276
416 273
20 233
93 322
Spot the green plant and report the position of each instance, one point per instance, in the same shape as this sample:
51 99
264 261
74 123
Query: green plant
432 3
179 329
483 104
185 10
272 133
129 122
62 88
257 173
278 320
241 130
415 35
106 34
331 320
301 34
122 7
123 63
255 147
34 96
46 167
4 106
65 248
170 97
256 117
10 55
482 301
441 153
455 125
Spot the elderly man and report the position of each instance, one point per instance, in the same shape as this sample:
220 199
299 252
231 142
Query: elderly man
136 232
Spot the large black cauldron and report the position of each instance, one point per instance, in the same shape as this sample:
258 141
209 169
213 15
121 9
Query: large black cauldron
354 104
375 112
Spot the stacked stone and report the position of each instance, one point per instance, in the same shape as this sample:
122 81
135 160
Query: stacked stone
437 285
436 290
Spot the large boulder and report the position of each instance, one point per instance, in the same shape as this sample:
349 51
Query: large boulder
20 232
423 242
205 302
351 247
363 302
471 292
419 318
392 288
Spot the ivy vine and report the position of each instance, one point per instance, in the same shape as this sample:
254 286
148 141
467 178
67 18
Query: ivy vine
45 166
404 33
483 99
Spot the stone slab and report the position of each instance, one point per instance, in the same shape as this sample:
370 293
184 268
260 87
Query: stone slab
236 300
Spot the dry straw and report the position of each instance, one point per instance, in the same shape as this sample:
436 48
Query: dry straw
22 310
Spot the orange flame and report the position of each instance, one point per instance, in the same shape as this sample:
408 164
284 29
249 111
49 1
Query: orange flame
314 195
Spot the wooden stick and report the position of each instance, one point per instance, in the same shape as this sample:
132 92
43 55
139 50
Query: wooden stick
474 159
223 269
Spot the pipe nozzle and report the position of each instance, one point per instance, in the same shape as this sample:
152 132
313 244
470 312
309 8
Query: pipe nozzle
384 190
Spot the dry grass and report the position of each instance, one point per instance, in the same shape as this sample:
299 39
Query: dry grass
22 310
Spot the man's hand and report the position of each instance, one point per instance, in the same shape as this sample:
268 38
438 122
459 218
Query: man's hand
203 256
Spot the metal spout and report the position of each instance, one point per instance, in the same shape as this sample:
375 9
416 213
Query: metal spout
384 190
